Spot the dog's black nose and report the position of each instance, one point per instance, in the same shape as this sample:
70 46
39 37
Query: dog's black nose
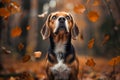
61 19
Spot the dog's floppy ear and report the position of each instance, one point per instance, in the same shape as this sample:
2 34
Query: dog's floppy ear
45 31
74 32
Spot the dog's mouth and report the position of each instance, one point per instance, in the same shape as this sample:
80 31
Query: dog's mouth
61 29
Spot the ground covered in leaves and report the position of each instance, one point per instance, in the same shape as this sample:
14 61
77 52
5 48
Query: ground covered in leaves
25 68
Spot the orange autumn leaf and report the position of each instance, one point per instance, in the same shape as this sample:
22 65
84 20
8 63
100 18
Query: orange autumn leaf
90 62
91 43
106 38
15 32
87 1
96 3
26 58
6 1
114 61
37 54
4 12
93 16
79 9
20 46
13 7
28 28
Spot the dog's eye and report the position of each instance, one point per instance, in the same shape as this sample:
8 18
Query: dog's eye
54 17
68 17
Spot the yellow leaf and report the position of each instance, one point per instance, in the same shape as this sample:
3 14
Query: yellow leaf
16 32
91 43
79 9
93 16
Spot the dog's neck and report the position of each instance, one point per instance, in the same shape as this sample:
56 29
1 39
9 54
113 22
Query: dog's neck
61 44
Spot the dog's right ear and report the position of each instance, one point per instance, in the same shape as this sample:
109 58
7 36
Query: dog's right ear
45 31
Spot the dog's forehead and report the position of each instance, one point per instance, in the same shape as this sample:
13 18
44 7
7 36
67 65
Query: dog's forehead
60 13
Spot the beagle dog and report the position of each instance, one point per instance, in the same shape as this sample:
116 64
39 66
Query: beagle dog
62 63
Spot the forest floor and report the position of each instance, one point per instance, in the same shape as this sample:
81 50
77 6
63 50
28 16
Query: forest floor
12 68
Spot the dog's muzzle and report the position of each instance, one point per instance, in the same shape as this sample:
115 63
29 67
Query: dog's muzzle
61 25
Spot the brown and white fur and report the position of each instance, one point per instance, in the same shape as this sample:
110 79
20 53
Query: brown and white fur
62 63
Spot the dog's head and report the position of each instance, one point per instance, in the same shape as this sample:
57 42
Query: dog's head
59 23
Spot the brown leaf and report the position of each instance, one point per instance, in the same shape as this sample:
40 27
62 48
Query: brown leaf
93 16
6 1
79 9
91 43
26 58
16 31
90 62
4 12
13 7
106 38
11 69
20 46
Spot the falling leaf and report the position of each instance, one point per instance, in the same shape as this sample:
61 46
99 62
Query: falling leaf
5 50
26 76
91 43
28 28
114 61
4 12
12 78
79 9
106 38
37 54
42 15
93 16
20 46
26 58
90 62
6 1
16 31
96 3
11 69
87 1
13 7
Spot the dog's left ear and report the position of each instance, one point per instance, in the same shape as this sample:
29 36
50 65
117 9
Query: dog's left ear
74 32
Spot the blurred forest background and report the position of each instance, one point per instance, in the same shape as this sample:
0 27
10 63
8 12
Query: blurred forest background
21 22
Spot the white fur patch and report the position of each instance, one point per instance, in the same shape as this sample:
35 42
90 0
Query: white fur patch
56 25
59 48
60 71
66 25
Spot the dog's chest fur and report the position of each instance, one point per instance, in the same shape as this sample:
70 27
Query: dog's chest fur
59 50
